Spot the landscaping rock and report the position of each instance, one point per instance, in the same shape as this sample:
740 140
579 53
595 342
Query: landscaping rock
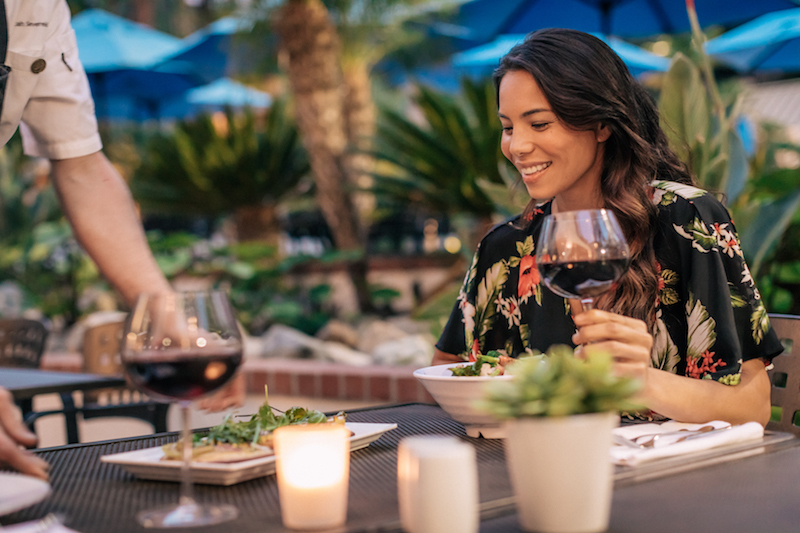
416 350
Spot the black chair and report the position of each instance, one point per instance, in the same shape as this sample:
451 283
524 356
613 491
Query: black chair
22 343
785 375
101 355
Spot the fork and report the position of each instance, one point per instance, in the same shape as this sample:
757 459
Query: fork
651 442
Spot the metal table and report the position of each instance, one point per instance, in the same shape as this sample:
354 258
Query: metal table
25 383
754 489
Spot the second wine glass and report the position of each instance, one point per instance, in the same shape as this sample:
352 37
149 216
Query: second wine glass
182 346
582 254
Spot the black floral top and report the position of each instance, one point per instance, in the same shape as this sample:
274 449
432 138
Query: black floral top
709 315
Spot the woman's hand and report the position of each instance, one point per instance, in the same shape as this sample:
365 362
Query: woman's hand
229 396
626 339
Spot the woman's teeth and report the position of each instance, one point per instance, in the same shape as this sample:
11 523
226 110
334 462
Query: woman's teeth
534 169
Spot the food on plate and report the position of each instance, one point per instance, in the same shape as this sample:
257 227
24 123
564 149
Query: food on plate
233 440
490 364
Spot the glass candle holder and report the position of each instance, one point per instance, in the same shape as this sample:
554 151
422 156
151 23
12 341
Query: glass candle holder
437 485
313 469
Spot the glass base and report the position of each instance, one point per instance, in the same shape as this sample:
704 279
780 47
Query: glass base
187 515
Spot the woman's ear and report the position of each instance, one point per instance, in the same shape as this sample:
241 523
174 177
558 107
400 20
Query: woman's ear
602 132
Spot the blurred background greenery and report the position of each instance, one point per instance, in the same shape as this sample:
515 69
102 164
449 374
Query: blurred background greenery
406 164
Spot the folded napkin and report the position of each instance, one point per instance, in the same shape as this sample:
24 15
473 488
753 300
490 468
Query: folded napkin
670 444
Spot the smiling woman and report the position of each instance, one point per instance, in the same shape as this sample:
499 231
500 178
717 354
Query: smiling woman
686 318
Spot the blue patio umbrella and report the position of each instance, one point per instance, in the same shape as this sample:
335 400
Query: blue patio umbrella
768 43
207 52
226 92
488 55
487 19
216 96
123 60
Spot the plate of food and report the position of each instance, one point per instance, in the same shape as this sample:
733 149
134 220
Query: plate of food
457 386
235 451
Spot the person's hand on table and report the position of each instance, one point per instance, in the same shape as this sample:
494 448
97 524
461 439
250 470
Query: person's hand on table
231 395
13 435
627 340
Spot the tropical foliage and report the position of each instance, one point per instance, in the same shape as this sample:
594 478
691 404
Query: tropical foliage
703 125
201 168
450 161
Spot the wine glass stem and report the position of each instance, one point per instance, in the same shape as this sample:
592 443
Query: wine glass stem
187 488
587 304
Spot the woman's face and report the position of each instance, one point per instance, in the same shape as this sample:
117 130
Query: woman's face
555 160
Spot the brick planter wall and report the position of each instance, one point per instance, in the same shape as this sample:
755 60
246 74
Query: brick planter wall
319 379
306 377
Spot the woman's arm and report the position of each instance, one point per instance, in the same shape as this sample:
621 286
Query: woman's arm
441 358
677 397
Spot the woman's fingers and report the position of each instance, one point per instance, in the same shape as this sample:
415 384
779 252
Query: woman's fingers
13 435
231 395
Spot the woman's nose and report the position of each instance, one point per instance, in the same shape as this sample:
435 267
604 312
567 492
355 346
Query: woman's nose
521 144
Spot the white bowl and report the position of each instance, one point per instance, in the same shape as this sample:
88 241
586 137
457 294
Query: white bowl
456 395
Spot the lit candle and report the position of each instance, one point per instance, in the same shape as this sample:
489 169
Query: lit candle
313 467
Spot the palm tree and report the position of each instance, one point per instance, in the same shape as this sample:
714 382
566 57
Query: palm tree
451 163
200 169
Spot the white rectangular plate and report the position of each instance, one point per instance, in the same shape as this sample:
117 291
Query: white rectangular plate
150 463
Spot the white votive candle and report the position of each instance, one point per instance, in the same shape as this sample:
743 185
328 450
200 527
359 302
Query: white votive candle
313 467
437 485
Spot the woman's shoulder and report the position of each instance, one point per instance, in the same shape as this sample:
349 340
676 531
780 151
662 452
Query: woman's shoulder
678 200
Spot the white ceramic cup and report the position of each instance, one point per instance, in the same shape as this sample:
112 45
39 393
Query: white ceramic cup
437 485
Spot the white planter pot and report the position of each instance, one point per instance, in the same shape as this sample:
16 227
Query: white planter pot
561 471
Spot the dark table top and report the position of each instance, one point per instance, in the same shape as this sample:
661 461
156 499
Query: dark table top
754 489
28 382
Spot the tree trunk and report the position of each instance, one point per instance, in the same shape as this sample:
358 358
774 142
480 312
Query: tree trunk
315 75
359 112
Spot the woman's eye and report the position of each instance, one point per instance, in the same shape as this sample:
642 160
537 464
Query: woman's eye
539 126
507 129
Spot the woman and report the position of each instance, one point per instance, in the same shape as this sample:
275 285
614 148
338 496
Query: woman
686 318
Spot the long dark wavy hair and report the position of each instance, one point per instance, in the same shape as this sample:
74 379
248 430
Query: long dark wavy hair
586 83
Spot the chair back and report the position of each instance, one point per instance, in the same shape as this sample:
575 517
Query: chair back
785 375
22 342
101 345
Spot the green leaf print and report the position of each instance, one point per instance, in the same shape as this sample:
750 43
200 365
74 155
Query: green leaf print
759 322
684 191
665 354
526 247
701 238
486 299
702 329
525 335
737 299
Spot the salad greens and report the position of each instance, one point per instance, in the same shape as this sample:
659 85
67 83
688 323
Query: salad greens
258 429
492 358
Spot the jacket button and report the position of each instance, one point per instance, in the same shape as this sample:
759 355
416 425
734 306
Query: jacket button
38 66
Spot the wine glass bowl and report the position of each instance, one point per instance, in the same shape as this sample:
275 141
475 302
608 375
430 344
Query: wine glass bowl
182 346
582 254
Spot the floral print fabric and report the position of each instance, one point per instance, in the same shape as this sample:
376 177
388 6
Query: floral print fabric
709 315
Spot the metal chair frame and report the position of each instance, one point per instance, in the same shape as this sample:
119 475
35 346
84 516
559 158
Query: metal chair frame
785 375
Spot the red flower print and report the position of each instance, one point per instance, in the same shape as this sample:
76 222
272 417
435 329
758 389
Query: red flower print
707 366
476 349
528 276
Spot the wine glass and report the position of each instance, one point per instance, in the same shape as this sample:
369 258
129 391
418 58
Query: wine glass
182 346
582 254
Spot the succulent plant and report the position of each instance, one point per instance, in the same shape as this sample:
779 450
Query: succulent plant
560 384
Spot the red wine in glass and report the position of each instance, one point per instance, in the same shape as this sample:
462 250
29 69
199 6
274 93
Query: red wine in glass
182 346
582 254
183 375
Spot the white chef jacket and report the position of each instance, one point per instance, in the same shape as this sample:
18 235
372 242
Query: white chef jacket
54 106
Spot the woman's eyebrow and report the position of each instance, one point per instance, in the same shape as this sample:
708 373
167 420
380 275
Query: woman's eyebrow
527 113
